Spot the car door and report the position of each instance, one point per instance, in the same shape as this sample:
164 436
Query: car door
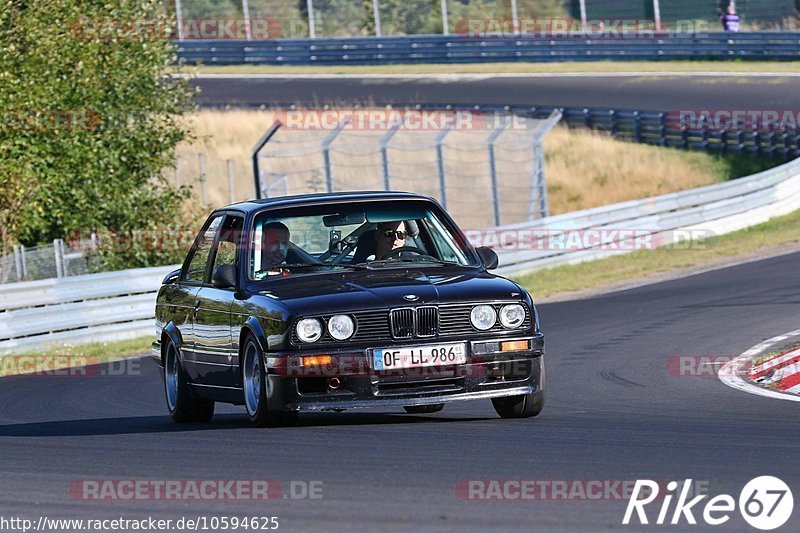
193 277
214 346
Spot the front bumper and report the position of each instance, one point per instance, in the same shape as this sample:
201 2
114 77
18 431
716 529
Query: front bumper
488 373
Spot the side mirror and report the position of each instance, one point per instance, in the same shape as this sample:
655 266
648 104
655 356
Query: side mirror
224 277
488 256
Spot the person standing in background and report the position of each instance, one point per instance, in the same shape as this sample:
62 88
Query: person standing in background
730 20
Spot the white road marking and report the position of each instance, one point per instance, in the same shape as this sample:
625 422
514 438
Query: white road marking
729 374
489 75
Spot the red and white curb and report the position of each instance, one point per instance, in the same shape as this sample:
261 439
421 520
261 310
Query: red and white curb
783 370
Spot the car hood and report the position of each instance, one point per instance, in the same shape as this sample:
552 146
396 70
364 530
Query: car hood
376 289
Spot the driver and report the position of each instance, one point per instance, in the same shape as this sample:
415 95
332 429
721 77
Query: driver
274 245
389 236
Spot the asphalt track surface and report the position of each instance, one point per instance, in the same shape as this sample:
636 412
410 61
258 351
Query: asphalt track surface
642 92
613 412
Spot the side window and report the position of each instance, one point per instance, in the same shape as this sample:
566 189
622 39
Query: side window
196 271
229 239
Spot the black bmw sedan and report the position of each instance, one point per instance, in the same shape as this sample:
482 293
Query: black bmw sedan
338 301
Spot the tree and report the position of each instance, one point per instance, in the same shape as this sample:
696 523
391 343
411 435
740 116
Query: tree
89 120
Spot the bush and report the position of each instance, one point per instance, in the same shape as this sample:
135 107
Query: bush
89 120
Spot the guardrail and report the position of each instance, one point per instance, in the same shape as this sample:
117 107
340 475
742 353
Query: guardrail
117 305
710 210
771 45
88 308
660 128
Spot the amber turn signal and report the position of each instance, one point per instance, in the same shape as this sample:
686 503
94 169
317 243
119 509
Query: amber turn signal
514 346
315 360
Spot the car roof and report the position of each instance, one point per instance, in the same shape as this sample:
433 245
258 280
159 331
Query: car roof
321 198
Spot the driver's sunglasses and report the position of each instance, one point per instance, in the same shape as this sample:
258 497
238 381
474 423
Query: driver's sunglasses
397 234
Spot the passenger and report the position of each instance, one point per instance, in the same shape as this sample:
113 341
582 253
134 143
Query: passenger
389 236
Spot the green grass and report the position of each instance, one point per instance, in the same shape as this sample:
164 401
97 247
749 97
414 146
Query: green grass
57 357
483 68
637 265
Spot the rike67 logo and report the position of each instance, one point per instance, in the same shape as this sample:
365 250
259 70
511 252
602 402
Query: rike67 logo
765 503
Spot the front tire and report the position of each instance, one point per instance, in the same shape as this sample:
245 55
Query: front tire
254 384
522 406
182 406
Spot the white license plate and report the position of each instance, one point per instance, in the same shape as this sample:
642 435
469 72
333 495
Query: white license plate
419 356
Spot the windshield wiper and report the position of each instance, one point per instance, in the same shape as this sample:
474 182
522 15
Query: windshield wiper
382 262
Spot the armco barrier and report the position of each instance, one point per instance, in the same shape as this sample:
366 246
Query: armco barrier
116 305
715 209
464 49
79 309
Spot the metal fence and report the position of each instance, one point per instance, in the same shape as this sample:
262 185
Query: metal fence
57 260
484 176
522 48
358 18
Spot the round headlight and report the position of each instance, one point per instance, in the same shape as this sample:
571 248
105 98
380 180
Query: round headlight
309 330
483 317
512 316
341 327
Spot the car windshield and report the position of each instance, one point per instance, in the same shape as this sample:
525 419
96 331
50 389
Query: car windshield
368 235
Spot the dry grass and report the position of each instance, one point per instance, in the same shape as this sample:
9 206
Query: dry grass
587 169
584 169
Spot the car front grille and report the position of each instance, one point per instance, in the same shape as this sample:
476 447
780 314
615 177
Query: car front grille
442 322
409 322
402 321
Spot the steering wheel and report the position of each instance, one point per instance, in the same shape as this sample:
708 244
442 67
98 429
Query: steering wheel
401 249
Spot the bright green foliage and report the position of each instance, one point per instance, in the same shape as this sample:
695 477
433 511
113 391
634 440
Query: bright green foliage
88 121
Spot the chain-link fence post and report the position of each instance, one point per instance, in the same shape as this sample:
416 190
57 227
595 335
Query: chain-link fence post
179 19
58 251
490 142
385 140
326 153
539 201
440 165
311 30
201 161
231 185
19 262
247 26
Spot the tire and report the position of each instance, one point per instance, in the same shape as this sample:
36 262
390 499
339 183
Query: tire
522 406
422 409
254 388
182 405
